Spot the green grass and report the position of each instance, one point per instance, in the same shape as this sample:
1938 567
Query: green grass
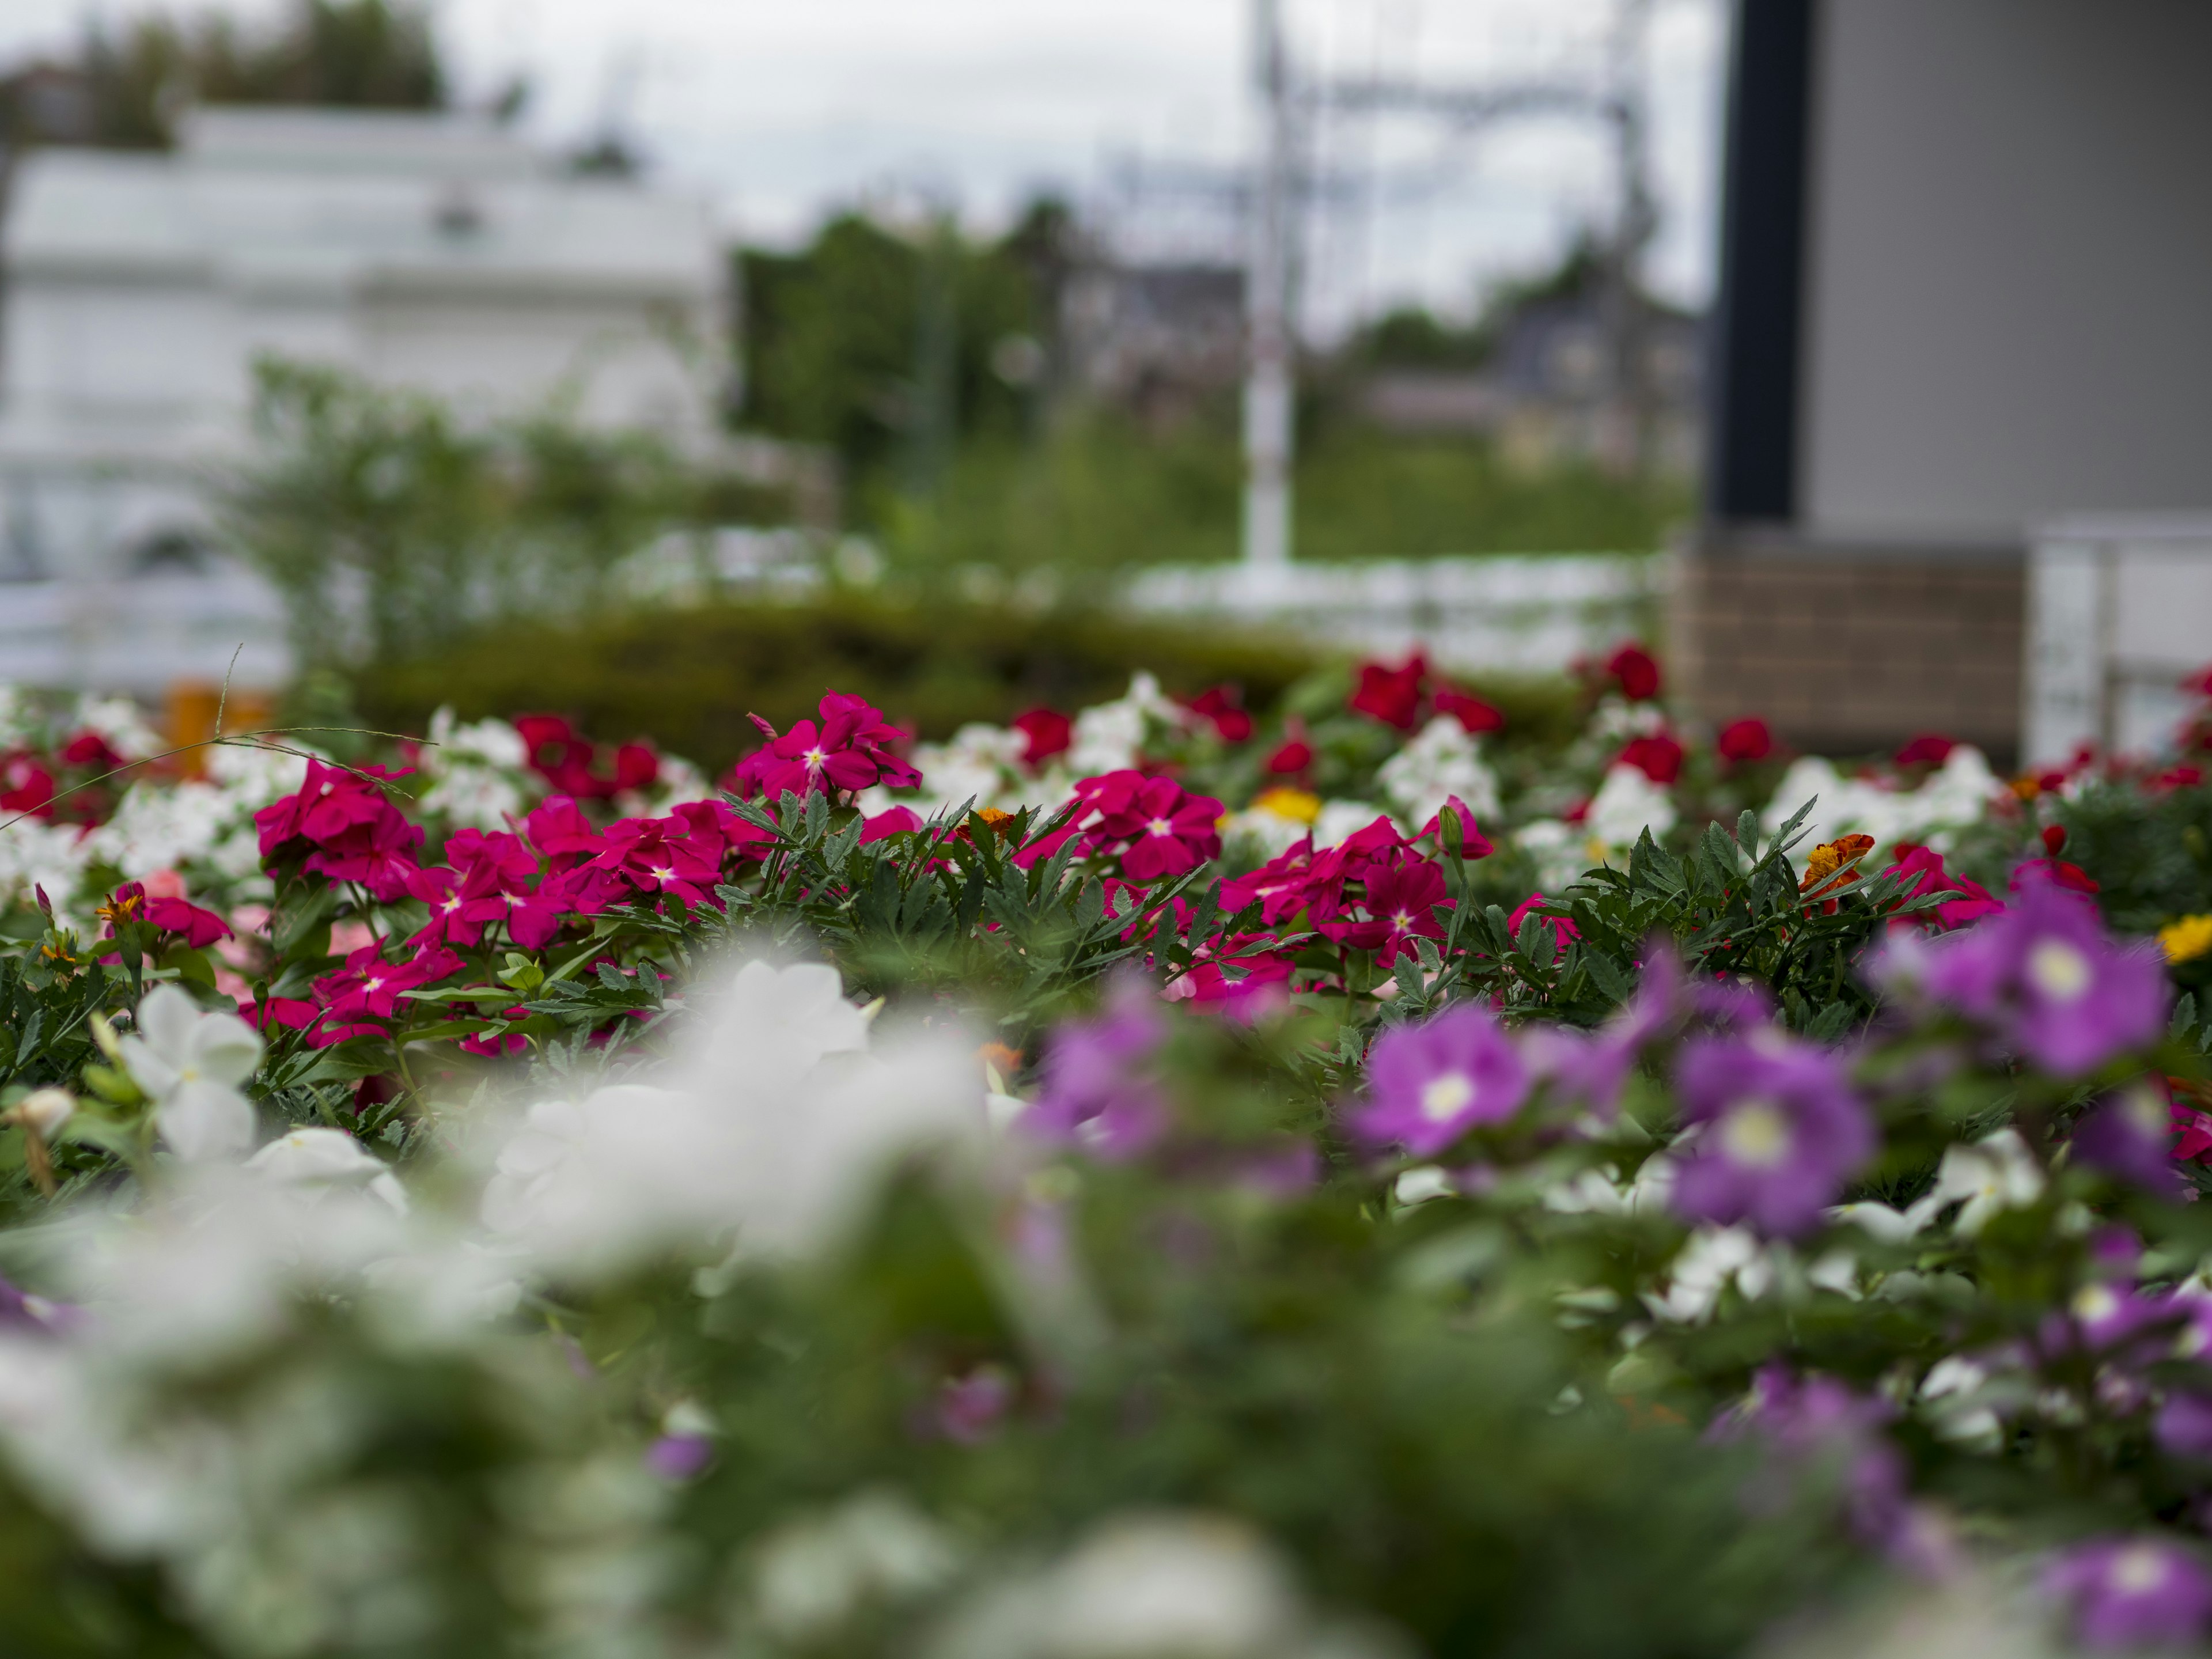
1103 493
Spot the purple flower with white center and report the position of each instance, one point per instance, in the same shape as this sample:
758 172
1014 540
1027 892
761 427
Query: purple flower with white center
2129 1135
2046 975
2133 1592
1782 1132
1816 1421
1092 1093
1590 1067
1430 1084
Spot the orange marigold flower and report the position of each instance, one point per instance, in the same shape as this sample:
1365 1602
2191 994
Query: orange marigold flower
1000 1058
1830 864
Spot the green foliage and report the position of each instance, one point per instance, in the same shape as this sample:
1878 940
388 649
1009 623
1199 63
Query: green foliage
381 508
688 678
348 53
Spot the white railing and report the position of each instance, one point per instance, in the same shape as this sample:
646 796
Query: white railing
142 635
1518 614
2120 612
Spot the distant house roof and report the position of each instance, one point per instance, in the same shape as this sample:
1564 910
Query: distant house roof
268 200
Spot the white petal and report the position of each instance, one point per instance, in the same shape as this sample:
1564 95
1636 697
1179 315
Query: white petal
225 1048
166 1018
156 1075
205 1122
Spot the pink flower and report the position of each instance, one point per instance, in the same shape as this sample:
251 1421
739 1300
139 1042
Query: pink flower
654 855
459 908
561 834
1928 749
849 749
1155 825
200 928
891 821
369 988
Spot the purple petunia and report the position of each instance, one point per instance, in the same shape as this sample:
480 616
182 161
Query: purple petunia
1818 1422
1782 1132
1093 1094
1429 1084
2129 1135
2133 1592
2044 974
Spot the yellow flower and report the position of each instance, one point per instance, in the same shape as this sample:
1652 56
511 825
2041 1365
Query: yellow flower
2187 938
1295 805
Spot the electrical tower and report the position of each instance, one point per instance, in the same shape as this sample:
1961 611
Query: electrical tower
1278 190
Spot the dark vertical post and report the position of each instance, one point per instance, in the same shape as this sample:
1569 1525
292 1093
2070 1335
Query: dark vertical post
1758 320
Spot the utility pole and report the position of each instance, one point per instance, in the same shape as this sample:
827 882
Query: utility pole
1269 368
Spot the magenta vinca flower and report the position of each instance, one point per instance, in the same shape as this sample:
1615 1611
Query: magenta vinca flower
1428 1084
2044 974
2133 1592
1095 1092
1782 1132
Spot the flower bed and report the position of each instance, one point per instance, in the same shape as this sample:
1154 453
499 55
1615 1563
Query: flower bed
1143 1181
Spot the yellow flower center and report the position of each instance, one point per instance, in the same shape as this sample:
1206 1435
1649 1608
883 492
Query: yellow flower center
1443 1098
2059 970
1755 1134
1402 922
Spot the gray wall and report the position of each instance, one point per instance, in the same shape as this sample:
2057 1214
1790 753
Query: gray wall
2009 302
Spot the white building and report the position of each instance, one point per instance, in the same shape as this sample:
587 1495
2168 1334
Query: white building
434 252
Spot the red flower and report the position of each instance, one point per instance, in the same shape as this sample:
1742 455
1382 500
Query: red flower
1155 825
1925 865
1562 929
355 832
2054 839
1280 886
653 855
891 821
1220 705
847 751
1392 696
460 906
2200 683
1928 749
1295 754
1402 891
2060 873
1635 670
1474 844
1745 740
2178 777
561 834
2192 1131
1475 715
201 928
370 988
1045 732
1658 756
497 862
89 749
24 785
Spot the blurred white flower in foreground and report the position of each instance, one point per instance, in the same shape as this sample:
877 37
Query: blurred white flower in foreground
777 1127
189 1064
315 1161
1155 1587
813 1574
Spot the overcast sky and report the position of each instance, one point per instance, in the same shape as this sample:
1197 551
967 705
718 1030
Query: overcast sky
781 110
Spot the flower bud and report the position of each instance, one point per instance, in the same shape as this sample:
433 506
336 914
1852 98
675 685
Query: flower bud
43 1111
1454 832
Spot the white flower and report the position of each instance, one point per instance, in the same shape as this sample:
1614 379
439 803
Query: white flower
1881 1221
811 1575
1993 1175
1626 803
1148 1587
44 1111
778 1126
190 1063
1341 820
1108 737
1713 1258
316 1160
982 763
1444 760
1956 794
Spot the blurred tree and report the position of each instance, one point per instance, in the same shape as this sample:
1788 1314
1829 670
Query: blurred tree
126 89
